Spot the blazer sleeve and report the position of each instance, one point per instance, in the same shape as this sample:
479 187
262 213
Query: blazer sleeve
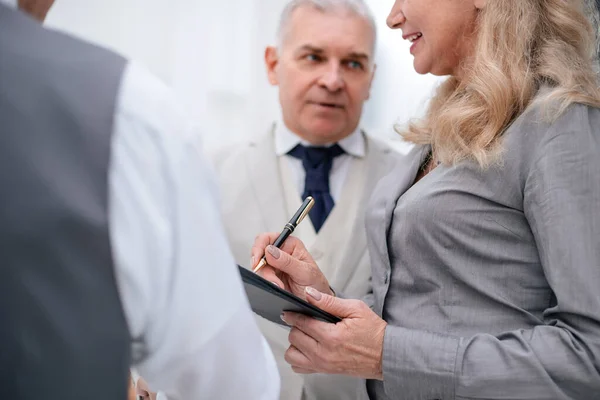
561 358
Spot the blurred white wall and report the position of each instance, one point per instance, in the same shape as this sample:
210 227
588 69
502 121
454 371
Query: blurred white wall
211 52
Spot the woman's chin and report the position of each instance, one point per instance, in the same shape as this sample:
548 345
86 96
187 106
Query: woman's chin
426 68
420 67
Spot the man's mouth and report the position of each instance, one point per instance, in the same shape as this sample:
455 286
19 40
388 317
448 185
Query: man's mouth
328 105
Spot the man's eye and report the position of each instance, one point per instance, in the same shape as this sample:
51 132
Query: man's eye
355 65
313 57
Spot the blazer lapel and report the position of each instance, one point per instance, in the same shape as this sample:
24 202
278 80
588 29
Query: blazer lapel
396 183
337 234
266 183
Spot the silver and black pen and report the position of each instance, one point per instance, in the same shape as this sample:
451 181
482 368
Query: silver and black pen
288 229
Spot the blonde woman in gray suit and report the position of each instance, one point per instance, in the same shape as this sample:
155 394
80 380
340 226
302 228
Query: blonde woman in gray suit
485 242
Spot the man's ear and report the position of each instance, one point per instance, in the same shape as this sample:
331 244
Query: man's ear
271 62
480 4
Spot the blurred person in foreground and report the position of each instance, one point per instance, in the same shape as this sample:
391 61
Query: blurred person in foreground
323 66
113 253
485 241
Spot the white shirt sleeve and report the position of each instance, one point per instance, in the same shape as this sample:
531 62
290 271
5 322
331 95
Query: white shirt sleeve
181 292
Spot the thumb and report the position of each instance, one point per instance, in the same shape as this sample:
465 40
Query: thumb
342 308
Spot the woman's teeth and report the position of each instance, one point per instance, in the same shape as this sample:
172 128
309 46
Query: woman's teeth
415 37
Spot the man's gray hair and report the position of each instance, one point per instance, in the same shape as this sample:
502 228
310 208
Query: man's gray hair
357 7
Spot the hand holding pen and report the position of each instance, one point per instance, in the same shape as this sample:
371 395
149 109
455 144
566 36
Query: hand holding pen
292 268
289 228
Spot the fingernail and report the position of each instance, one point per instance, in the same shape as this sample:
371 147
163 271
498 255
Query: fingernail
252 262
282 316
314 293
275 284
274 251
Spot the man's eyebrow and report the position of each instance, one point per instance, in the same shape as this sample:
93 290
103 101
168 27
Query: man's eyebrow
318 50
364 56
312 49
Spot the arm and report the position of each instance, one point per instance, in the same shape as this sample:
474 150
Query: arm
183 299
558 360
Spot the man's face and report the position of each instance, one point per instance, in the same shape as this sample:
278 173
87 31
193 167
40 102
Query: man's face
324 69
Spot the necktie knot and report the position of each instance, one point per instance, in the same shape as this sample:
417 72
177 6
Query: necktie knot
316 157
317 162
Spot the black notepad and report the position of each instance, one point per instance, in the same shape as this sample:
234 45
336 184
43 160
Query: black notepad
269 301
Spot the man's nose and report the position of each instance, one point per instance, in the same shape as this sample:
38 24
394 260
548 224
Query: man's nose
332 78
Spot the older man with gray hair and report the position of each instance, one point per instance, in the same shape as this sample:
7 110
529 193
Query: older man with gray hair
323 66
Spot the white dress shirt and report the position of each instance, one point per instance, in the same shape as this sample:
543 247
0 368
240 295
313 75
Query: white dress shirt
353 145
182 295
178 283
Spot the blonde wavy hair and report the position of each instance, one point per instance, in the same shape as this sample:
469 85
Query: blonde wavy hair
521 45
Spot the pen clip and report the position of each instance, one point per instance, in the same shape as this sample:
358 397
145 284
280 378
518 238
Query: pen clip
310 203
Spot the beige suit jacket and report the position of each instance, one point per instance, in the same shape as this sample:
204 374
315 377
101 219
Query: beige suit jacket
257 196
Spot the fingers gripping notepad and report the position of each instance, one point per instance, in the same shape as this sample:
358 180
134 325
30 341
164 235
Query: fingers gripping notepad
269 301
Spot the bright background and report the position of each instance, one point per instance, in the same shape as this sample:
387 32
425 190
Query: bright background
210 52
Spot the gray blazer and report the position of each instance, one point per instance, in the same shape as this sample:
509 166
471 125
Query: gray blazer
490 280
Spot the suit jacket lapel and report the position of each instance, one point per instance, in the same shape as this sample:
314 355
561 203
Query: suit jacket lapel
261 163
334 238
395 184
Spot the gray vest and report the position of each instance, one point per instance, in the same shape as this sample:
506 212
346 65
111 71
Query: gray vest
63 334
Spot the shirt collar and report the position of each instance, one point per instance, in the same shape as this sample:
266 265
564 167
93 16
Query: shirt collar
286 140
9 3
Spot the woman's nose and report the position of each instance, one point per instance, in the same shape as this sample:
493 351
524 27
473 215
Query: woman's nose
396 17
